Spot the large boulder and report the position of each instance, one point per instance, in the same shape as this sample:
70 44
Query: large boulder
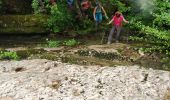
22 24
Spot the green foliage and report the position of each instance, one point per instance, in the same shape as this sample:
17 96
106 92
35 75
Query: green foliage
35 6
9 55
60 19
71 42
86 24
121 6
153 29
150 20
39 7
52 43
159 40
162 20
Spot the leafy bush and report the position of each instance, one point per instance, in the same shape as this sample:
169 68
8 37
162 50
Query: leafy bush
71 42
39 7
54 43
9 55
35 6
60 19
159 40
151 20
51 43
153 29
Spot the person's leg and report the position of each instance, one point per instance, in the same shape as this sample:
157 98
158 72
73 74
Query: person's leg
100 17
118 33
111 35
97 21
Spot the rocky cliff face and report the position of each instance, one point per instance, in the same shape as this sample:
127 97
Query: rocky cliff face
17 18
17 6
22 24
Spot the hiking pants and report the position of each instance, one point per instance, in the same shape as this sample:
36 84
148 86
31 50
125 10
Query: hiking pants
118 29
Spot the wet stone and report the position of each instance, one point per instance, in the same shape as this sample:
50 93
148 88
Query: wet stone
19 69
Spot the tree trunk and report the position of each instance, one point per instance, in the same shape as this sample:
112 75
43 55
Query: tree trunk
78 9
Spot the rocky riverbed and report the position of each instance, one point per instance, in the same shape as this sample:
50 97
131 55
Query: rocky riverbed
41 79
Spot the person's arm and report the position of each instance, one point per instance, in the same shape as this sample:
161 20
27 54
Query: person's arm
111 21
81 3
125 20
94 13
91 6
105 13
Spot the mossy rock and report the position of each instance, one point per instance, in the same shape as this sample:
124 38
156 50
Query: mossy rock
17 6
21 24
100 54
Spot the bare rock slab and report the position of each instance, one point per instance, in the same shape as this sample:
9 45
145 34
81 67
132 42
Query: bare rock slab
64 81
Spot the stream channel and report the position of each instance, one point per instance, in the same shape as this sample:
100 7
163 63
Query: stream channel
89 52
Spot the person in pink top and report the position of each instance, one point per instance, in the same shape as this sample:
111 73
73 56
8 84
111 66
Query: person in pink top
117 21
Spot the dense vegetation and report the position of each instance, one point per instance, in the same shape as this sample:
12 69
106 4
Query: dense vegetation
54 43
149 19
62 18
153 26
8 55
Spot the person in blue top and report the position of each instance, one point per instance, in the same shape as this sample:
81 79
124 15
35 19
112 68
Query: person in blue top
70 3
98 13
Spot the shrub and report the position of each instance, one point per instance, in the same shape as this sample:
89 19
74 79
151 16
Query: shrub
71 42
60 19
154 30
158 40
35 6
38 8
52 43
9 55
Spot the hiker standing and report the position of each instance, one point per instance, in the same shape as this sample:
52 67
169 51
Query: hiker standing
97 13
117 25
85 5
70 3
